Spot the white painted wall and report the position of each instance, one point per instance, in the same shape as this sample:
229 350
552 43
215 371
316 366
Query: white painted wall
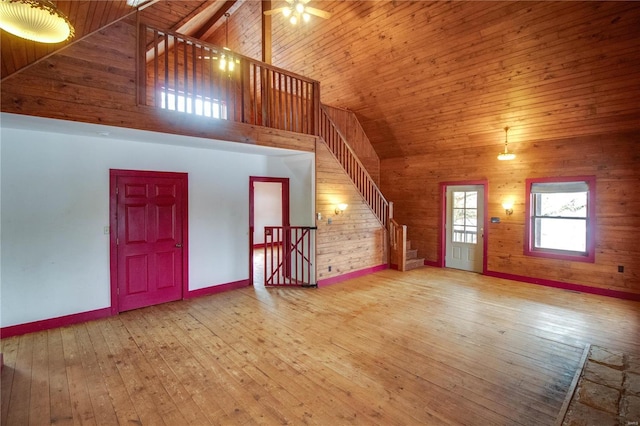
267 199
55 205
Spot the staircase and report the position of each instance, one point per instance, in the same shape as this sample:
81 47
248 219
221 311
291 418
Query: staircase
412 261
400 254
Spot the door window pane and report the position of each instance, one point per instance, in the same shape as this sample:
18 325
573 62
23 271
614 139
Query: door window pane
465 217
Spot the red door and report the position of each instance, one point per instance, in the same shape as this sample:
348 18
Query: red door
150 213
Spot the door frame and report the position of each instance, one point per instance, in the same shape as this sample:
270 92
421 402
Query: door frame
442 248
284 182
114 174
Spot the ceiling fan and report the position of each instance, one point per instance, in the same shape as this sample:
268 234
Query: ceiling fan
297 10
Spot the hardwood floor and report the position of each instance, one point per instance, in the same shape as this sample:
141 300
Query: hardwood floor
430 346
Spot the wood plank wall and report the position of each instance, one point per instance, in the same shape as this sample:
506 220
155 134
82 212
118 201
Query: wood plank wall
94 81
414 185
348 124
245 30
354 240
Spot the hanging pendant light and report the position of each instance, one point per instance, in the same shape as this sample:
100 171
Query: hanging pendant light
227 61
36 20
506 155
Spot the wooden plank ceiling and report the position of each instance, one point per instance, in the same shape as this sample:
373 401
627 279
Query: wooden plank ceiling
426 77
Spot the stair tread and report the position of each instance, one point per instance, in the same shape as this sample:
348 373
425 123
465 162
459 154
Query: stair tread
412 254
413 264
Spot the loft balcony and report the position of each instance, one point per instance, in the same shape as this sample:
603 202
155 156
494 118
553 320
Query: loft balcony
186 75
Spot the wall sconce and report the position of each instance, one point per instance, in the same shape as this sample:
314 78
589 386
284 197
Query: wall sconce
341 208
508 207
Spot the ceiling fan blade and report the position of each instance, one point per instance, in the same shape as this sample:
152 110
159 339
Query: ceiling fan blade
317 12
277 10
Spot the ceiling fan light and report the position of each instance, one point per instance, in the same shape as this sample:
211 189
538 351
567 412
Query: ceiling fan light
36 20
286 12
306 17
293 20
299 7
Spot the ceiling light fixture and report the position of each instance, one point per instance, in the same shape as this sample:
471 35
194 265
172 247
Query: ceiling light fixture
136 3
296 13
227 61
36 20
506 155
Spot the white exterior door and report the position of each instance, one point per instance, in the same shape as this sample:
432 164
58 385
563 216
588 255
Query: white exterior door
464 227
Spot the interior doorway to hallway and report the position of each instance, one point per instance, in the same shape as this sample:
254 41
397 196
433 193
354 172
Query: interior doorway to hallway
268 206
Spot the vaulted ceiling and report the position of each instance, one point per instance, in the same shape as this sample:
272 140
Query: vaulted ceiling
424 77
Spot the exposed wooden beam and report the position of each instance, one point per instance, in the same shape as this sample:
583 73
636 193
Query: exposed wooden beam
191 23
207 29
266 32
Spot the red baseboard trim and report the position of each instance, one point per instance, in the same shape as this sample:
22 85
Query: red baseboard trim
30 327
351 275
217 289
567 286
426 263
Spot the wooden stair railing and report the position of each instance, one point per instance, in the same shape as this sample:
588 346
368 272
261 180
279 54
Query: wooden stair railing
180 73
353 167
397 246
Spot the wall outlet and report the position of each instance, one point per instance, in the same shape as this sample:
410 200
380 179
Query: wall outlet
329 268
620 268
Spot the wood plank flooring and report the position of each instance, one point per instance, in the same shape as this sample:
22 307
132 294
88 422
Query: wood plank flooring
430 346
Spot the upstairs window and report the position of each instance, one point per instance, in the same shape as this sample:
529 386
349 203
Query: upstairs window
561 218
192 104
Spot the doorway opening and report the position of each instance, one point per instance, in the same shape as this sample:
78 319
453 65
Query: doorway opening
463 226
268 206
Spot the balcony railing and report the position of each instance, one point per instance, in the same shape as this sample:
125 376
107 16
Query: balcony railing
184 74
289 256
